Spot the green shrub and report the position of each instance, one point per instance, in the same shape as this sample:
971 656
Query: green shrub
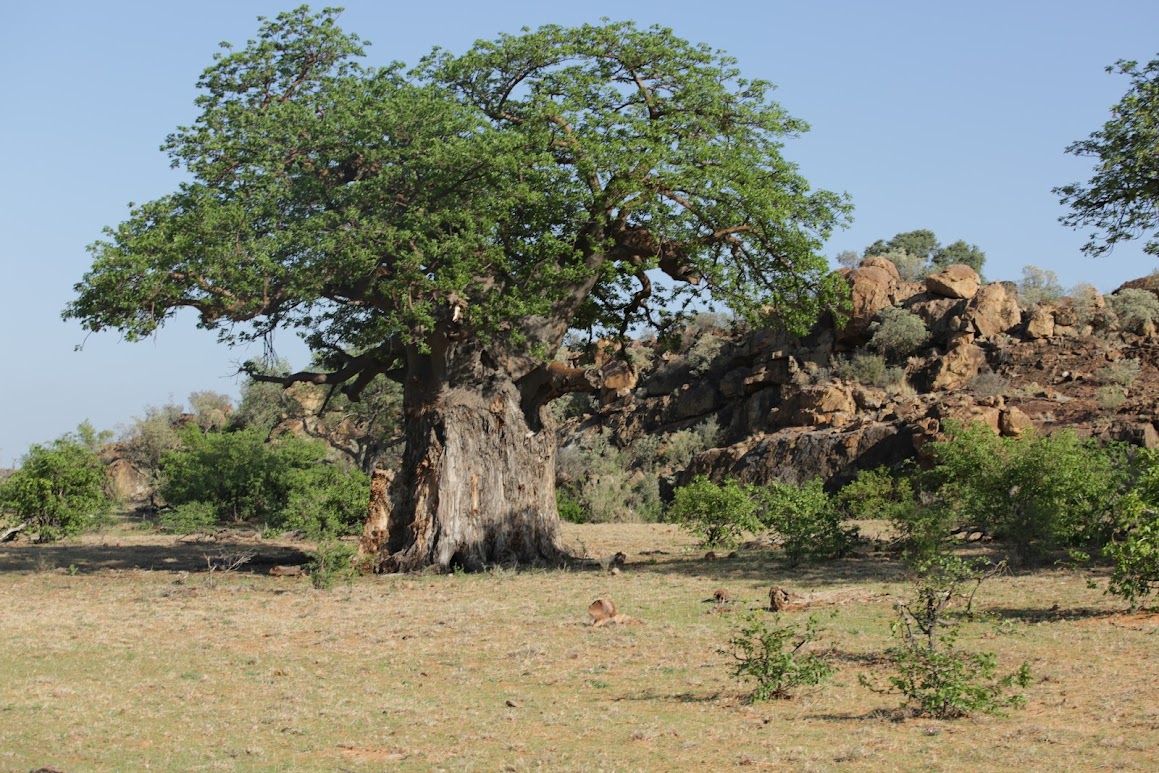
1038 286
718 514
989 385
805 519
898 332
1039 491
934 677
773 657
286 483
1134 309
922 527
188 518
330 563
681 446
1123 373
1134 542
569 506
1110 398
869 369
59 488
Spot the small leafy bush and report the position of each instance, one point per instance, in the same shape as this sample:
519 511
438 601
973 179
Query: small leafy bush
1123 373
569 506
330 563
1134 542
287 483
773 658
869 369
922 527
898 333
936 678
1110 398
989 385
1038 286
1039 492
717 514
806 519
1134 309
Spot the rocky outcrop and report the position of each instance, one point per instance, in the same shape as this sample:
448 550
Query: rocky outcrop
787 410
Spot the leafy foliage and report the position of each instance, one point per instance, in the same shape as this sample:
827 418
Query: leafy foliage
285 484
1134 545
806 520
59 489
1120 200
1038 286
773 657
936 678
898 332
930 255
1039 492
869 369
1133 309
510 192
718 514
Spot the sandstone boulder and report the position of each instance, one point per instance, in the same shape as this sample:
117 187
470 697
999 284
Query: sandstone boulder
993 310
1041 323
956 367
879 262
1014 422
956 281
871 290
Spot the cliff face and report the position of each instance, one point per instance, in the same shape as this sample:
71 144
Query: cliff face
849 397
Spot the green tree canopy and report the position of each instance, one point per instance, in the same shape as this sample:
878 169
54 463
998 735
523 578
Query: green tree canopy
1121 200
923 244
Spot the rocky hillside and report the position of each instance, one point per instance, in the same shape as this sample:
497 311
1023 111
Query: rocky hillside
877 388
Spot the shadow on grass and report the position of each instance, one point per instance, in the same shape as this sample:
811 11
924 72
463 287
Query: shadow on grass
1028 615
770 567
680 697
174 557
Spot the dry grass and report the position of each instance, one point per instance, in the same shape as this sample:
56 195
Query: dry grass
128 655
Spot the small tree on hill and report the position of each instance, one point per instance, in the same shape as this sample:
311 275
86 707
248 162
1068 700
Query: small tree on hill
446 226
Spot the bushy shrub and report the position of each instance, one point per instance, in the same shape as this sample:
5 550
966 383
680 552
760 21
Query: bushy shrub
898 332
1110 398
681 446
775 659
1133 309
910 267
869 369
1039 492
703 354
989 385
286 483
1123 373
805 519
936 678
922 524
188 518
59 488
717 514
569 506
1038 286
1134 542
331 562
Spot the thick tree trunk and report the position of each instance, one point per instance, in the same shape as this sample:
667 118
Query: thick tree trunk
477 483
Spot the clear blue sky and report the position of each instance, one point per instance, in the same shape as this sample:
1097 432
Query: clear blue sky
951 117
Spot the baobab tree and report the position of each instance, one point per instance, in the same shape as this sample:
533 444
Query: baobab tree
447 225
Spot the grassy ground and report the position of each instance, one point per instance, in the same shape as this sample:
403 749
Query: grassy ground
121 652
